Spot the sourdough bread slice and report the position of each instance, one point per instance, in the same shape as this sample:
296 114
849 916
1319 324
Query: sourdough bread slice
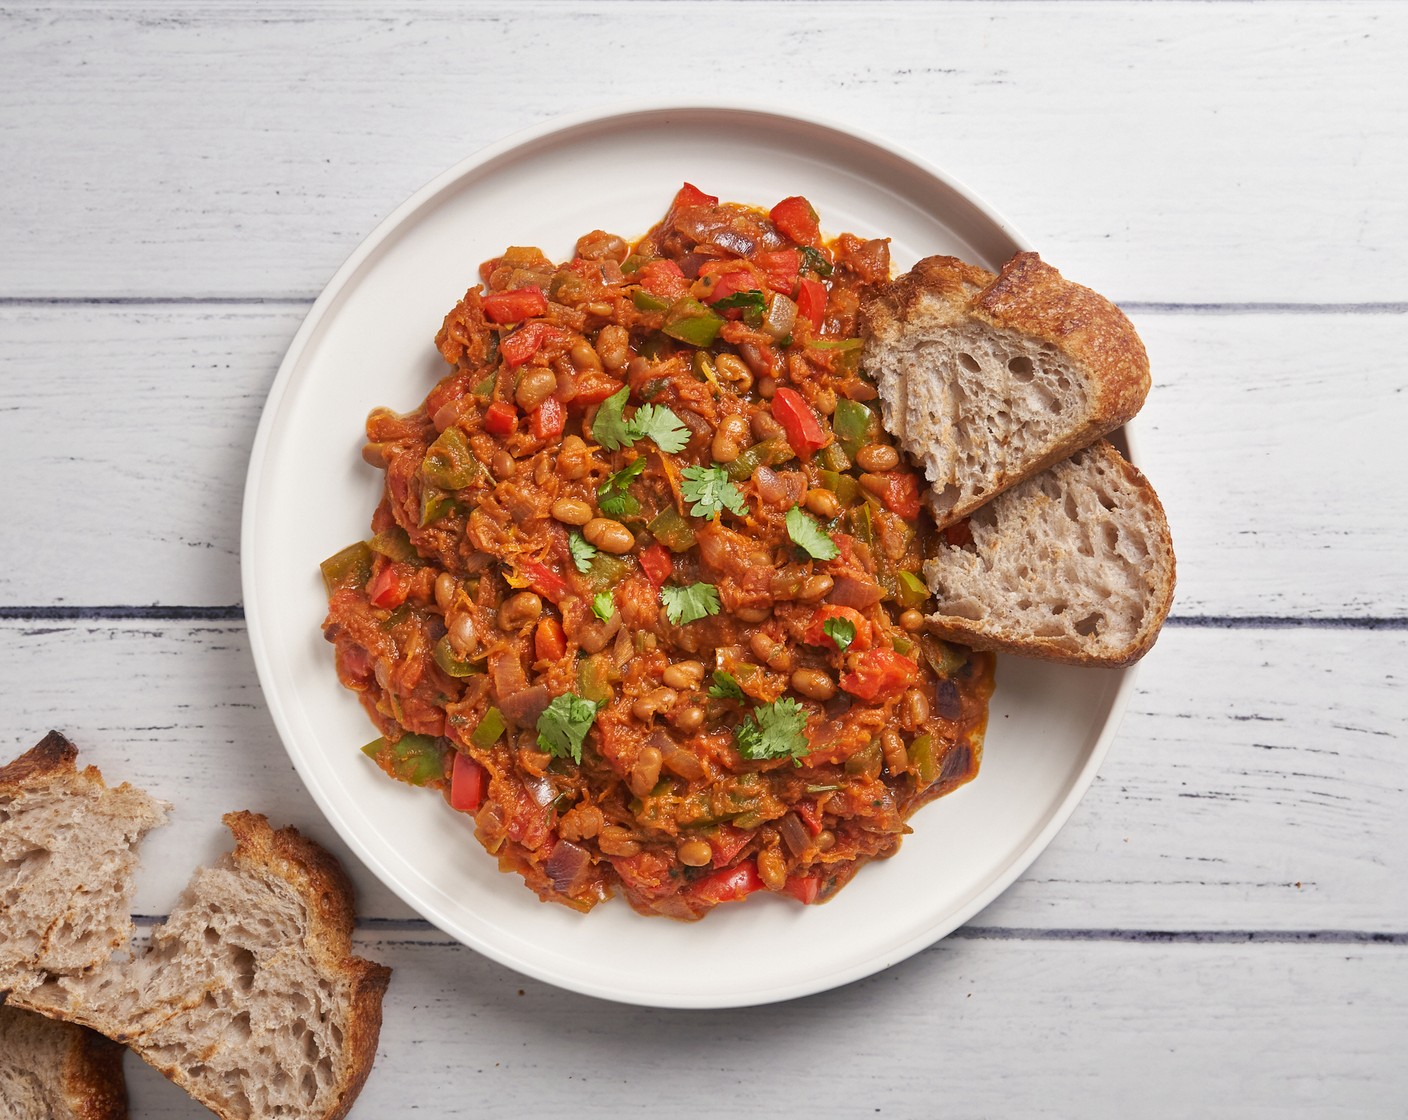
987 380
57 1071
66 863
1074 565
249 996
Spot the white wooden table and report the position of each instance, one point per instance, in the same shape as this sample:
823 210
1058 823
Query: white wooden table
1222 929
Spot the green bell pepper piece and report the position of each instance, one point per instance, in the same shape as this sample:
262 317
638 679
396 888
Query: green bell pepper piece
922 760
692 323
489 730
444 655
351 567
414 759
645 301
769 453
449 464
913 590
672 530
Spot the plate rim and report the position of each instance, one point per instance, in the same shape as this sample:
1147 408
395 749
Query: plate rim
618 112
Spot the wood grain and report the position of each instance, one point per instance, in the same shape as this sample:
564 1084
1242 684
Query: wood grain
243 150
1230 801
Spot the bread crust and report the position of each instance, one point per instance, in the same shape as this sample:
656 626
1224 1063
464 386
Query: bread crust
94 1085
1052 649
82 1069
52 757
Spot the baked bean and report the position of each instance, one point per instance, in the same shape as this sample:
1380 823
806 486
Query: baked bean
767 387
463 640
683 675
914 711
773 654
376 454
601 246
581 822
609 536
613 346
571 511
823 503
688 719
825 840
729 439
502 466
583 356
695 853
877 457
814 683
574 460
912 620
637 367
600 308
896 758
765 426
445 588
752 614
730 367
657 700
534 387
815 587
520 610
613 840
772 869
824 399
645 772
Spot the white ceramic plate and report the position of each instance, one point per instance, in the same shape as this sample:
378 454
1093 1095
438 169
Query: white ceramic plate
368 341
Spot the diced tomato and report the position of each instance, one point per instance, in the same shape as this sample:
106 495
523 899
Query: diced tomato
959 534
811 302
732 884
816 634
880 674
664 279
467 782
900 493
656 563
388 588
690 195
796 219
514 306
549 418
810 812
501 419
523 343
781 268
804 431
452 388
593 388
549 643
731 283
727 841
546 582
804 888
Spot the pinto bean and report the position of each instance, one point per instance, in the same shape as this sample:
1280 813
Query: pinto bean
613 346
814 683
571 511
609 536
520 610
728 440
683 675
534 387
877 457
645 772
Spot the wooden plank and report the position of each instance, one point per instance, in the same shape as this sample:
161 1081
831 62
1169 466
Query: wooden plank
244 150
1272 439
1228 802
1103 1030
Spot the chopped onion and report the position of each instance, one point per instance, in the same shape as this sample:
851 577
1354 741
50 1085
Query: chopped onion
782 314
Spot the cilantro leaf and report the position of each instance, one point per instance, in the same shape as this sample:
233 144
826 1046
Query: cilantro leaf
751 300
583 551
813 260
774 730
612 497
563 726
689 604
710 490
725 687
657 423
603 605
842 631
809 536
609 428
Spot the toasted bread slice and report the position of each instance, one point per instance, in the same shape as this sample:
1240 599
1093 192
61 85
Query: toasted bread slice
988 380
1074 565
249 996
57 1071
66 863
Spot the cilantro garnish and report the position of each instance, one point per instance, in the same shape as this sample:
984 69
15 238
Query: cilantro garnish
809 536
612 497
603 605
583 551
814 261
613 431
710 490
774 730
725 687
689 604
751 300
563 726
842 631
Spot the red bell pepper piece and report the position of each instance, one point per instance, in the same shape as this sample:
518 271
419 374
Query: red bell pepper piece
467 782
816 634
799 422
780 267
655 562
880 674
811 302
549 642
690 195
549 418
727 841
664 279
804 888
810 812
730 283
523 343
387 589
901 493
514 306
593 388
732 884
546 582
796 219
501 419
